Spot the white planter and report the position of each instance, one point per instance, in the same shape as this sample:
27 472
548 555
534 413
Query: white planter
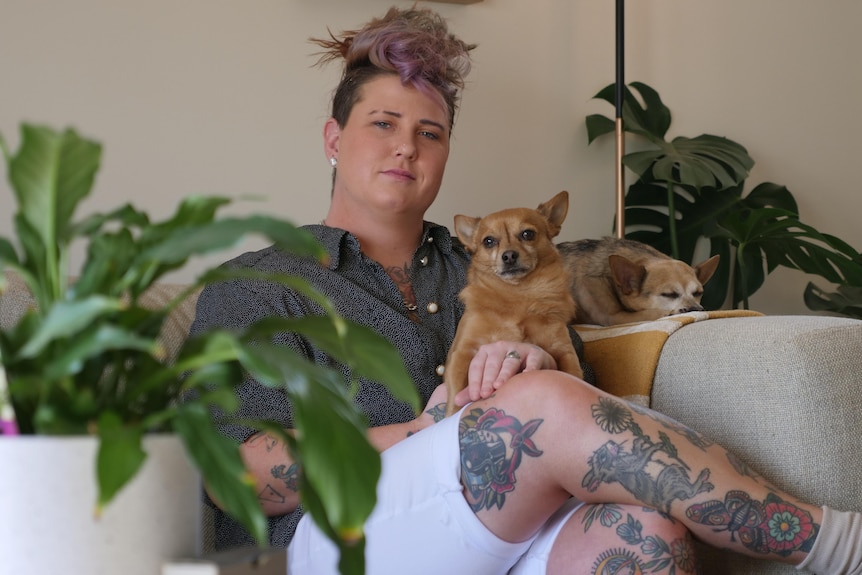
47 497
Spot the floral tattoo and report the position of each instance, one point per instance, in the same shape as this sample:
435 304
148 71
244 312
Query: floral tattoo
492 447
769 526
652 554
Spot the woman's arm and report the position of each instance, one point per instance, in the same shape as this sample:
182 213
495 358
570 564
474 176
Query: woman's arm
276 475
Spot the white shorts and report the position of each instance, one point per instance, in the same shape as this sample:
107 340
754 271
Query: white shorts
422 523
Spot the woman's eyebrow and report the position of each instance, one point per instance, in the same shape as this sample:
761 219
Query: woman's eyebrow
399 115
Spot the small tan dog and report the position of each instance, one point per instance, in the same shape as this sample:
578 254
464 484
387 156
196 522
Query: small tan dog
620 281
517 288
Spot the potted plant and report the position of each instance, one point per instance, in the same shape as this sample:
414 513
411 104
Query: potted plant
693 189
86 359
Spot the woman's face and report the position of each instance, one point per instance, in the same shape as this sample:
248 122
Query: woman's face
392 150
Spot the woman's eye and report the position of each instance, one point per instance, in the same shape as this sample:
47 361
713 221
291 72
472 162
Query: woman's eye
382 124
528 235
489 242
429 135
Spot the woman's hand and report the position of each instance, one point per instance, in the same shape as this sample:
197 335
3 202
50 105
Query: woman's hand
495 363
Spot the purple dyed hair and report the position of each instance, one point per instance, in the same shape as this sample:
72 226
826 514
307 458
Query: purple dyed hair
413 44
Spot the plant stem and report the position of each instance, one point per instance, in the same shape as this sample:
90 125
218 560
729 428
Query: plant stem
671 221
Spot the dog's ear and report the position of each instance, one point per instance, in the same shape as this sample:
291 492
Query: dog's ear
465 227
704 270
627 275
555 210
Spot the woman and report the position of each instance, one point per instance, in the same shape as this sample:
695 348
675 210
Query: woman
541 473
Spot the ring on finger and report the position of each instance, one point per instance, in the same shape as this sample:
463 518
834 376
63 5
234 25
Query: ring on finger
513 355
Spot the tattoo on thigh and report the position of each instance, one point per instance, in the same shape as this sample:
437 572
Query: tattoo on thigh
492 447
611 463
769 526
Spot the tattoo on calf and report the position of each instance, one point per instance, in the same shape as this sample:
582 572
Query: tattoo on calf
651 553
492 447
610 463
769 526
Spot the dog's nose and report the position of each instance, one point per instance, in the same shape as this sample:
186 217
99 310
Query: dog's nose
510 257
692 308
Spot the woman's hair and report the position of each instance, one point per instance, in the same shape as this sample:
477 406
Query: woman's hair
414 44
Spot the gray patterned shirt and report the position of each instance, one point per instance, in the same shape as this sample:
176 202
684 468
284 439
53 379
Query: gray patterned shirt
362 291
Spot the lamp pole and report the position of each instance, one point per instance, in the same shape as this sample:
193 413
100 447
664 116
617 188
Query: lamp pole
620 135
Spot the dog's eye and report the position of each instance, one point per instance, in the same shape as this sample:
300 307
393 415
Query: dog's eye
528 235
489 242
670 295
698 293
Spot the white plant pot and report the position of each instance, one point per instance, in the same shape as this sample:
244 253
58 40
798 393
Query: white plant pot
47 498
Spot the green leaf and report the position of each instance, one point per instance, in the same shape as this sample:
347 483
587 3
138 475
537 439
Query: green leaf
357 346
222 468
221 234
119 458
846 300
51 173
93 343
66 319
598 125
332 448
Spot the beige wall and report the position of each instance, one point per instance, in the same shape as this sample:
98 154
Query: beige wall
220 97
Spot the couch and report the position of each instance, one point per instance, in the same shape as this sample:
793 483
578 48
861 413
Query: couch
781 392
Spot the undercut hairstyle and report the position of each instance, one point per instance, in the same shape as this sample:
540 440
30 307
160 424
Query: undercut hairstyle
413 44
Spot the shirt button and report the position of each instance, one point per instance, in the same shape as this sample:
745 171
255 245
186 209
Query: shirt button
432 307
430 240
440 369
424 261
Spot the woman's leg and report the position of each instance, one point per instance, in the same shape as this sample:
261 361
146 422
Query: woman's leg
545 436
603 538
609 538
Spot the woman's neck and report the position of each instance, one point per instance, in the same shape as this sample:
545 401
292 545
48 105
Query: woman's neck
390 243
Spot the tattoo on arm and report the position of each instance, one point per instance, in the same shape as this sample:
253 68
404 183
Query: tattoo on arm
492 447
269 442
438 412
289 477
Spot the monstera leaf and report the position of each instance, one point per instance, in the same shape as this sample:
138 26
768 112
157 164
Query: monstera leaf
691 191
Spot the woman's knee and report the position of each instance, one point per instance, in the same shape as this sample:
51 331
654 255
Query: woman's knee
601 534
546 389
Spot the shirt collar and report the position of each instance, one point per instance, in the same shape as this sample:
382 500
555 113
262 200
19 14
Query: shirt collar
334 239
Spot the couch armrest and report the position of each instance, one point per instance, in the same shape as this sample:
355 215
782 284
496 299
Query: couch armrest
784 393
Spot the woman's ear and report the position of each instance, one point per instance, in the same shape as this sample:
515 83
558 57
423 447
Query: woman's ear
331 135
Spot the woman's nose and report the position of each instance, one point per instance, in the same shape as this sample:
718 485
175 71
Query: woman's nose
406 148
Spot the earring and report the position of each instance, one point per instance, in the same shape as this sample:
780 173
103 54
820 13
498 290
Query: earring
333 161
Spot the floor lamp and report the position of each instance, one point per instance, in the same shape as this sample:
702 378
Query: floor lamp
620 135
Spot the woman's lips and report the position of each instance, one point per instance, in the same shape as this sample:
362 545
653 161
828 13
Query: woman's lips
400 174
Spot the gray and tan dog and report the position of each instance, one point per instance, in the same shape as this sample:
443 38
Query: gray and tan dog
618 281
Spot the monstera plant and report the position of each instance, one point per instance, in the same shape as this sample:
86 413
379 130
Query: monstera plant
87 358
690 190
